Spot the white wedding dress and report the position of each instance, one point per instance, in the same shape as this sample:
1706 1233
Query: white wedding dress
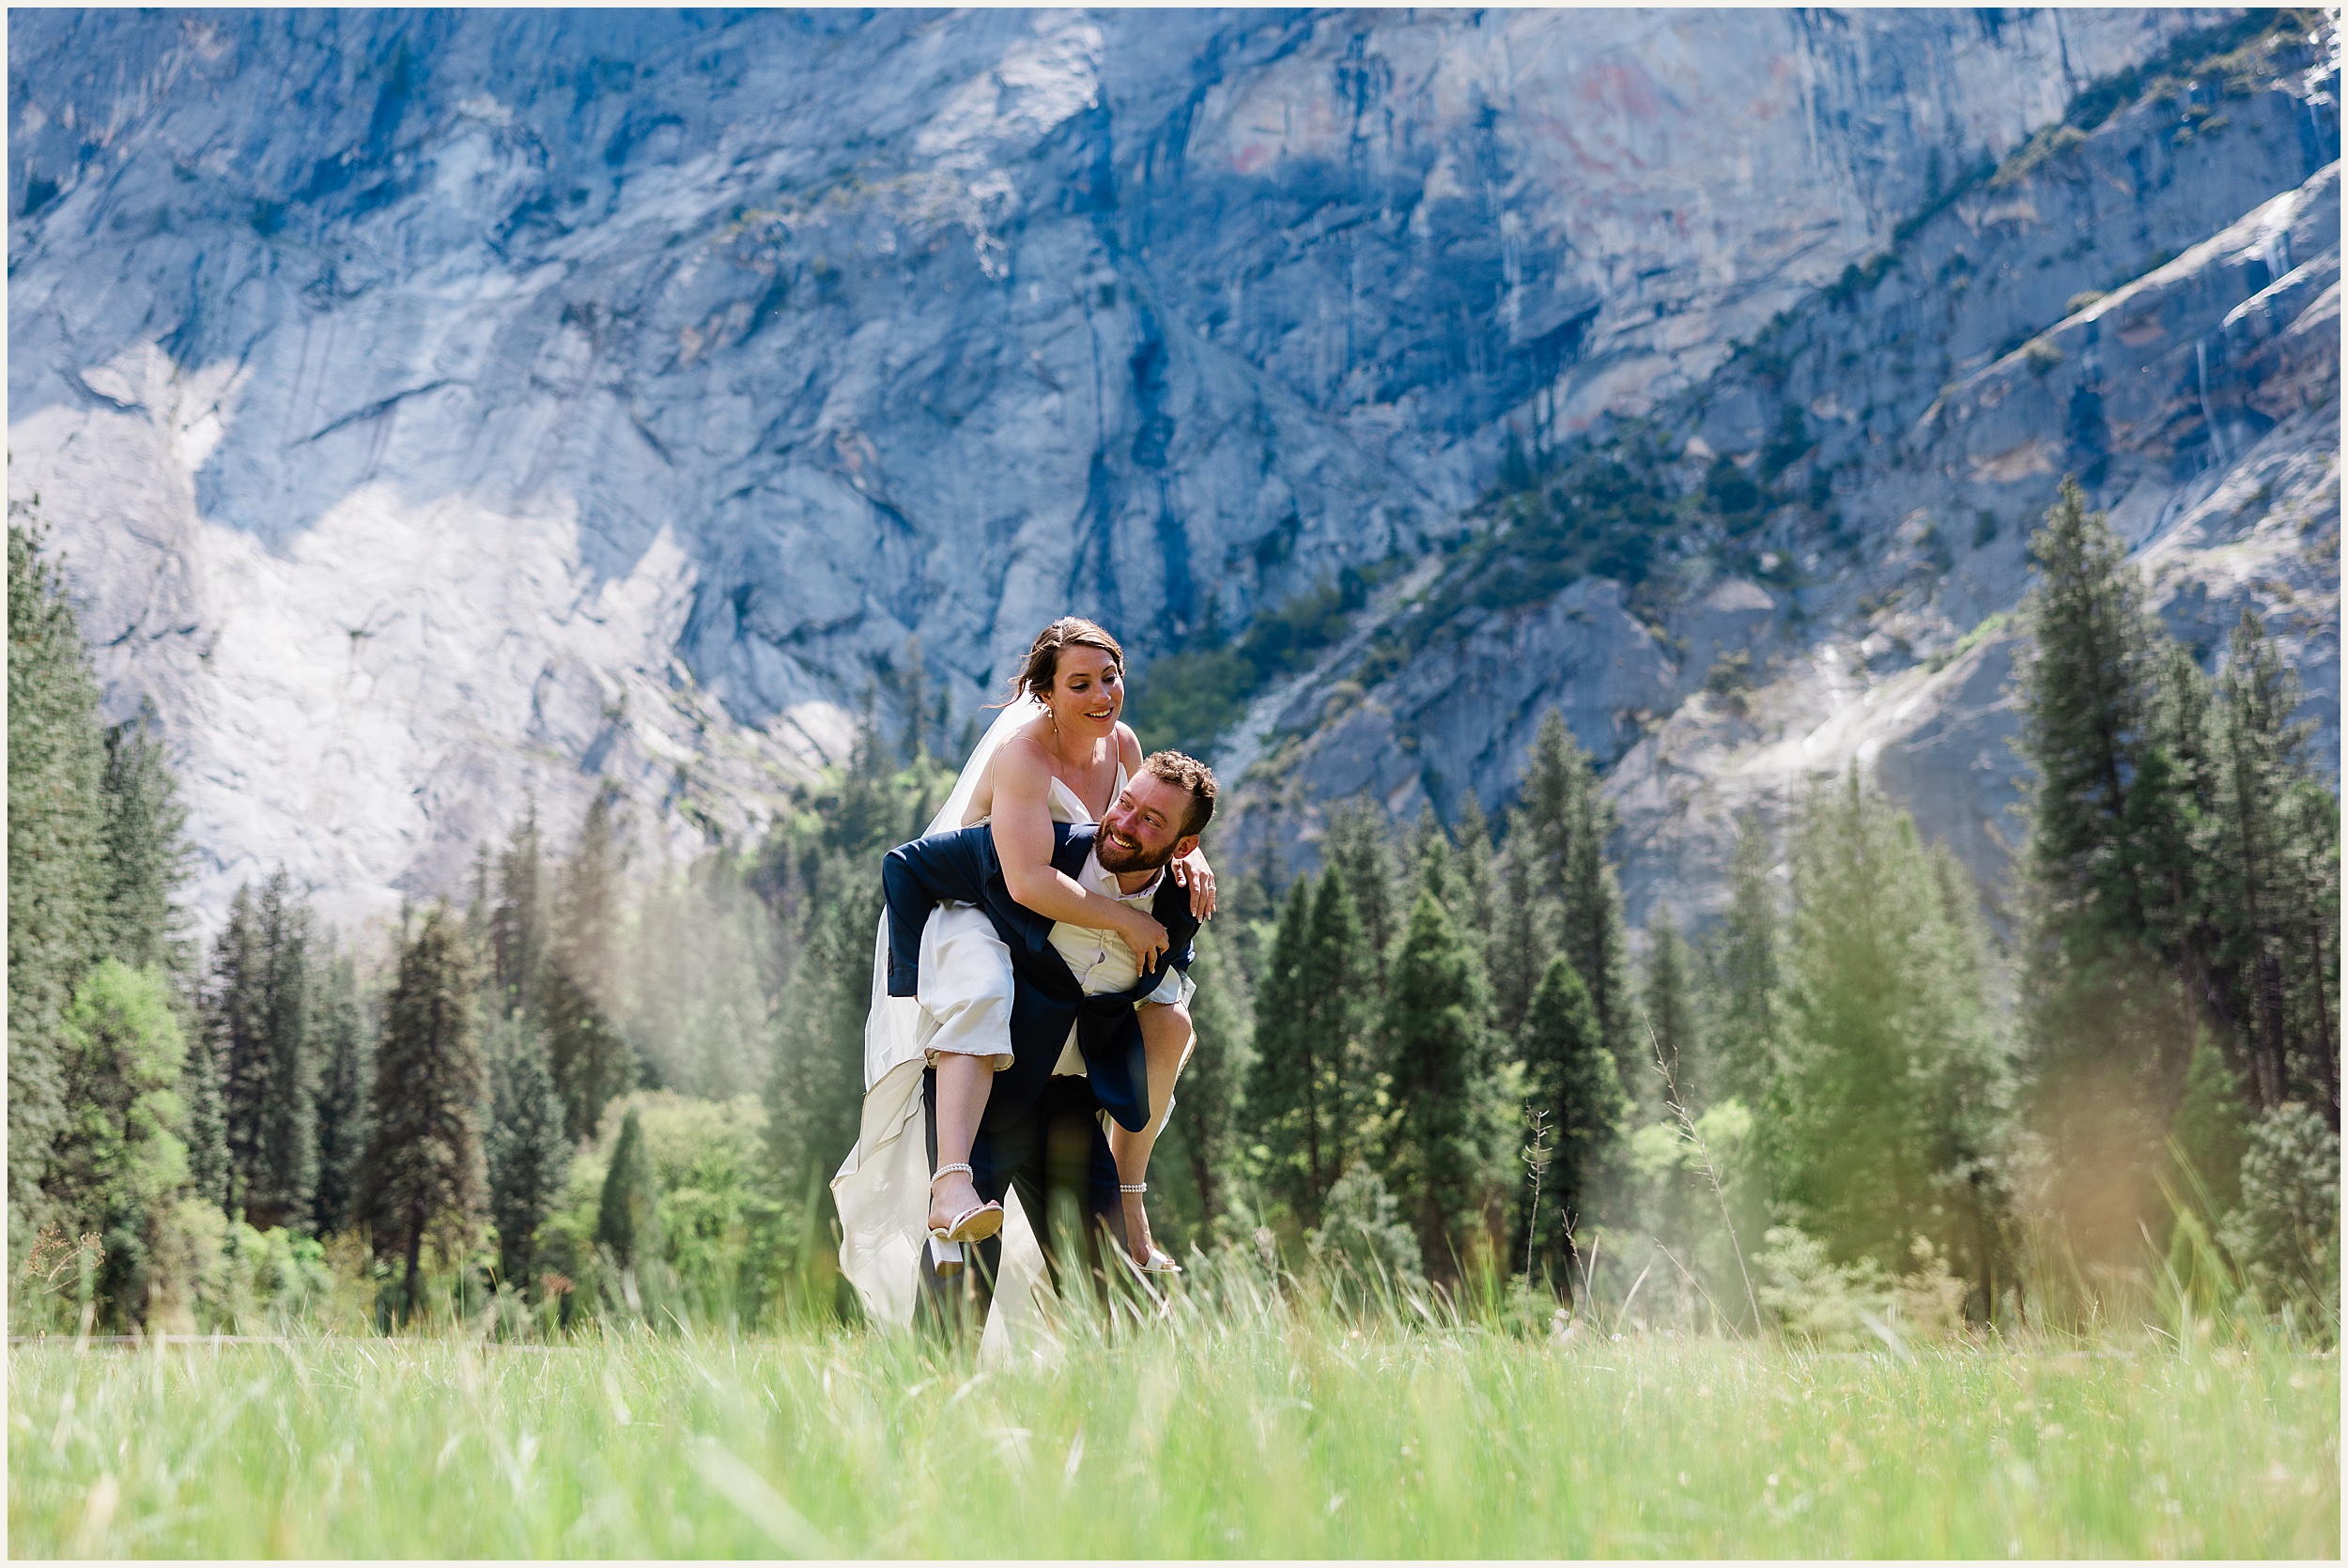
883 1189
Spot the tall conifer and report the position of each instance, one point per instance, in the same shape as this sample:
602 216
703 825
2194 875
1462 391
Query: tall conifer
423 1175
627 1218
1312 1083
2258 763
589 1058
1591 922
145 857
1896 1079
1571 1075
528 1152
285 1183
1671 1012
1522 930
1478 902
518 919
2111 1028
815 1091
56 882
1359 845
1447 1158
1203 1122
1746 983
346 1055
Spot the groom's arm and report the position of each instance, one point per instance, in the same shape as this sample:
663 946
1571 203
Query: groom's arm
916 878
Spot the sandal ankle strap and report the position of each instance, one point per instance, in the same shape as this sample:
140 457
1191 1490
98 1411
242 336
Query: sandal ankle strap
950 1170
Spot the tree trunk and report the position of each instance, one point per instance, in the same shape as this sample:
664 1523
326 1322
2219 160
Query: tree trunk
2270 1057
2327 1058
415 1263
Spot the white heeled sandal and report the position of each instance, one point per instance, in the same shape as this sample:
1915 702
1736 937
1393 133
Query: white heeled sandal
972 1224
1159 1261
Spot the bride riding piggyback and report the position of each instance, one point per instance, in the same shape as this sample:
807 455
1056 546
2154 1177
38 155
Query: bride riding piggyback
1031 1001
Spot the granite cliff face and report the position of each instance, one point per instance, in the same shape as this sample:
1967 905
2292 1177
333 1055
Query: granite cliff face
2152 306
436 407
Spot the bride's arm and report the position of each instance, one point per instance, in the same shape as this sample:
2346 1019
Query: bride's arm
1023 842
1191 870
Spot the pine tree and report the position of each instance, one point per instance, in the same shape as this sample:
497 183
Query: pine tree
528 1152
347 1070
1203 1123
518 920
145 857
627 1219
284 1182
1670 1012
1591 923
1450 1141
1430 855
1312 1092
591 1059
815 1092
1556 780
591 1062
1895 1081
1524 922
699 1011
1478 901
1565 824
57 881
1746 984
1290 1074
1359 845
2259 762
236 1020
422 1176
207 1117
2114 1004
1570 1074
120 1161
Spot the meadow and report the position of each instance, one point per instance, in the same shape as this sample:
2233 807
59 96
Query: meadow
1221 1427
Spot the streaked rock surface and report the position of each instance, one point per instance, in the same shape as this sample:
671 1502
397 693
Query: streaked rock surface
440 407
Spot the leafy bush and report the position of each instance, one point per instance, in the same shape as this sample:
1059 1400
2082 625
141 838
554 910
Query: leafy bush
2286 1233
1360 1241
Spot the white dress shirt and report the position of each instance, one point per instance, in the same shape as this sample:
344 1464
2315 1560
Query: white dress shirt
1101 960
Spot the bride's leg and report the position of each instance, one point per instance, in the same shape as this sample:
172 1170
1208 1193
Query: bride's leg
1167 1041
963 1084
966 989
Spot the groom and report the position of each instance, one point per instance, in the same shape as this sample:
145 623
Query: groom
1076 1047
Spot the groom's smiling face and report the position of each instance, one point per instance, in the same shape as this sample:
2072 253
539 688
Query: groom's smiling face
1143 830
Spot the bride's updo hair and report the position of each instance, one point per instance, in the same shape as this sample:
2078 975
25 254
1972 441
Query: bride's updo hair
1041 666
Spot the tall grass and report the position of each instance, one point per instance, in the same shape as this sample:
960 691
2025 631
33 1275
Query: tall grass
1237 1420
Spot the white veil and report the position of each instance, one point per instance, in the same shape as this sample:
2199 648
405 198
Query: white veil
881 1190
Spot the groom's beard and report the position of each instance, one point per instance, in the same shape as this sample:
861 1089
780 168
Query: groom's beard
1131 856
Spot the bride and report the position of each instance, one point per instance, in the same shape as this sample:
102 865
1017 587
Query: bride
1059 753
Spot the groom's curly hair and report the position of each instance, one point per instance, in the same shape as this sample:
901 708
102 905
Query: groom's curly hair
1042 666
1191 776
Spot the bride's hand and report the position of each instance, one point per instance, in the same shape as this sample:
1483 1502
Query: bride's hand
1143 934
1192 871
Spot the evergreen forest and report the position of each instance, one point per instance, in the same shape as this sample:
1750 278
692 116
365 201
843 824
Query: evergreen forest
579 1091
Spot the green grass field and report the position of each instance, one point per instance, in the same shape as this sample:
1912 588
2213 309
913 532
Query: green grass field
1225 1434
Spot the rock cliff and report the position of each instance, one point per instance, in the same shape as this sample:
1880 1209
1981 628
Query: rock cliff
438 407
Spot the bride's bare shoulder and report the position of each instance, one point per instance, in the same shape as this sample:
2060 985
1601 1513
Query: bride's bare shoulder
1023 750
1128 746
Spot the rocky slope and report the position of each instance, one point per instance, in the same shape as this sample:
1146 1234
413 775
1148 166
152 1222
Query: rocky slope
1902 431
436 407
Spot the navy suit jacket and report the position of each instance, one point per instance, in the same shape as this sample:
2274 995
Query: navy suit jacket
962 866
